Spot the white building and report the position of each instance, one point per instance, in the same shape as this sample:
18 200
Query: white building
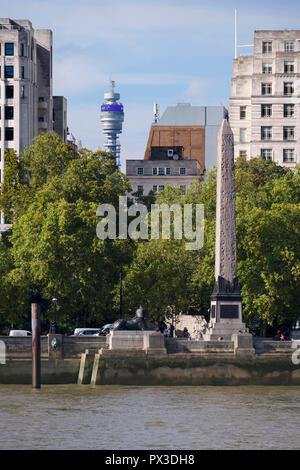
155 175
264 103
26 83
26 102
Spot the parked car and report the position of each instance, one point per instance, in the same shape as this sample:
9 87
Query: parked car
86 332
106 329
20 333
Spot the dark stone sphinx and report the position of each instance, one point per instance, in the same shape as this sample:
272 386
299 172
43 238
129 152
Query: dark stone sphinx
137 323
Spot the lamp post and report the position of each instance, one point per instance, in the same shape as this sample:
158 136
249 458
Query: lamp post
53 327
121 293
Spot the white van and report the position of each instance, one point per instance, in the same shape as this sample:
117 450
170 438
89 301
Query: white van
86 332
20 333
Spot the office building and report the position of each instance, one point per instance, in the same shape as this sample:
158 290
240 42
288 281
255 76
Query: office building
194 128
60 125
155 175
26 83
264 103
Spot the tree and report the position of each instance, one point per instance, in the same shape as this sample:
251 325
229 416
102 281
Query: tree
54 246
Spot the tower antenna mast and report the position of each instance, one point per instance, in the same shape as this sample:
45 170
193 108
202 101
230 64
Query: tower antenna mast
236 45
112 117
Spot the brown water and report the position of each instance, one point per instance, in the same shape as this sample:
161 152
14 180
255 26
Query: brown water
123 417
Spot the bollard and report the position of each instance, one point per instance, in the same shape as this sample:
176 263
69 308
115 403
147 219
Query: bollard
36 346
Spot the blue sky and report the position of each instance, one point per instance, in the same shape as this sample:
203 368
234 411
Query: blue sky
157 51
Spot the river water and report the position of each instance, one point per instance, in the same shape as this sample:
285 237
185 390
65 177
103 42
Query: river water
136 418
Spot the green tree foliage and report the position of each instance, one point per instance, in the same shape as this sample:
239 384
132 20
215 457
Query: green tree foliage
54 247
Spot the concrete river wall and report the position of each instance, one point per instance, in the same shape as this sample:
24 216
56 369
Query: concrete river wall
183 362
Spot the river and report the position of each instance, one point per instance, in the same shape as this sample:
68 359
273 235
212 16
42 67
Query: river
136 418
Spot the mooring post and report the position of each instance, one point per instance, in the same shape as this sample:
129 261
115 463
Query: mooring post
36 346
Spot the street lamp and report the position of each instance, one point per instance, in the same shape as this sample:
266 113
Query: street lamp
53 327
121 293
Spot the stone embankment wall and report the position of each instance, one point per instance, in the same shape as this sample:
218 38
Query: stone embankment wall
186 362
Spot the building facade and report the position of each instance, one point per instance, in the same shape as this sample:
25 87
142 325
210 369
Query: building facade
194 128
60 125
26 103
26 83
155 175
264 103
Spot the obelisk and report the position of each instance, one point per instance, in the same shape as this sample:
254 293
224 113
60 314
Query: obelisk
226 300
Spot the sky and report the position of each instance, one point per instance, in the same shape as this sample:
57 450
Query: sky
157 51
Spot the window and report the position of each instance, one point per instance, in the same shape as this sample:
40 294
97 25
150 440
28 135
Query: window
288 88
288 133
266 46
266 154
266 68
182 171
289 66
9 91
288 155
9 48
9 133
289 46
32 48
266 133
183 189
9 112
288 110
161 171
168 171
8 71
161 187
154 171
243 153
22 50
242 112
22 91
22 72
266 88
266 110
140 189
243 135
154 188
140 171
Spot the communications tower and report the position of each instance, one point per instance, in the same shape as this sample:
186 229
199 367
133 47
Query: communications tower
112 117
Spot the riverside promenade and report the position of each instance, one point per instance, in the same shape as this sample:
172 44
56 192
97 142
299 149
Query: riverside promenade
177 361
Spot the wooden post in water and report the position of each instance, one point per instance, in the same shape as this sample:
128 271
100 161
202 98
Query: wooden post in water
36 346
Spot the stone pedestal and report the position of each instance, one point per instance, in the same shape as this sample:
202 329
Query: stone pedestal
131 341
226 312
154 343
243 345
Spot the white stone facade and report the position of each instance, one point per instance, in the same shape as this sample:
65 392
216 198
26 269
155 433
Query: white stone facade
265 99
26 100
155 175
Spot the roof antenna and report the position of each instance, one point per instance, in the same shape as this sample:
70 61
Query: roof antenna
236 45
155 113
